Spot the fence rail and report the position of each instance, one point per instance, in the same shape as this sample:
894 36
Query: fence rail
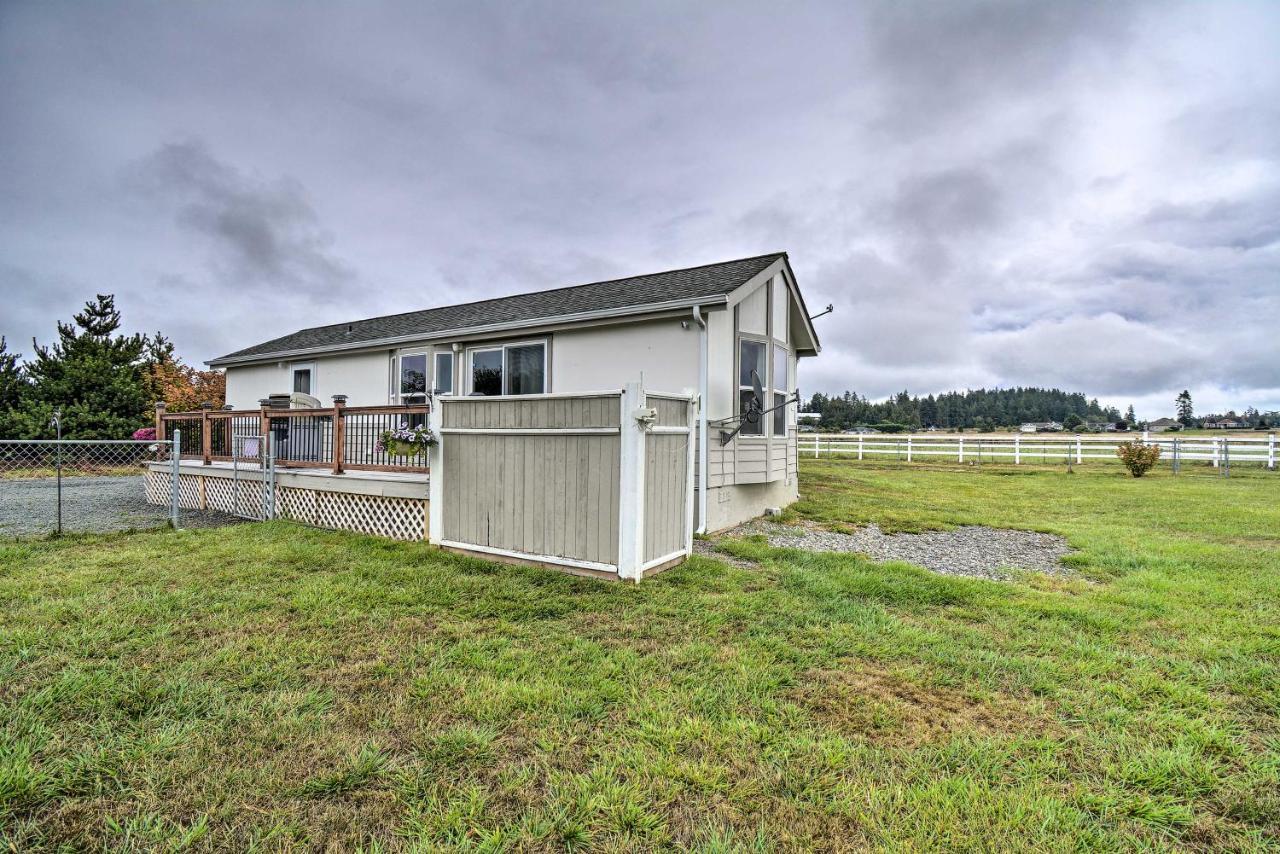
337 438
1033 448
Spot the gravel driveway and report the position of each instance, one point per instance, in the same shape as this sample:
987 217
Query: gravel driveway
98 504
973 551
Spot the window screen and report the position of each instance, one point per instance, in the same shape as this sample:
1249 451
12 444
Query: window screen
302 380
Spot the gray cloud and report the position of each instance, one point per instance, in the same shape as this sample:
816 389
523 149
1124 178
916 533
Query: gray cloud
261 234
990 192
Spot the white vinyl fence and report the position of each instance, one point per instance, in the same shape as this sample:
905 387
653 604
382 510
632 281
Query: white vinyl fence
1036 448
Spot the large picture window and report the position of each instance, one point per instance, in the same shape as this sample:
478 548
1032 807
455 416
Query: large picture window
751 364
519 368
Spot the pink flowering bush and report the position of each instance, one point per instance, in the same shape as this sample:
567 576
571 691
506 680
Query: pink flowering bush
145 434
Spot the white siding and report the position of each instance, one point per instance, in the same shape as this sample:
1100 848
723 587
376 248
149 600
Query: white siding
604 358
362 377
752 311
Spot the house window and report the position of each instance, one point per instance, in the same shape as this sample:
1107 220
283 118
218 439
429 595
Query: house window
444 373
302 380
751 369
527 369
413 378
779 388
519 368
486 372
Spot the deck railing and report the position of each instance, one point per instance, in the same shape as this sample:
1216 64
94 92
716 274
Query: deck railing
339 438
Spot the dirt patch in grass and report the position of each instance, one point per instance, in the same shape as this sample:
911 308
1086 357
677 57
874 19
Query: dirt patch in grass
868 701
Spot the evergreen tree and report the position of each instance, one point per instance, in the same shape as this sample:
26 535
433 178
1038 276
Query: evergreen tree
1185 412
96 377
13 389
1130 416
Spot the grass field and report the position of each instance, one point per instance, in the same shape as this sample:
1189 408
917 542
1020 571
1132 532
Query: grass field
273 686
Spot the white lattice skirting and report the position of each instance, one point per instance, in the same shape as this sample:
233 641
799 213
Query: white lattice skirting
380 515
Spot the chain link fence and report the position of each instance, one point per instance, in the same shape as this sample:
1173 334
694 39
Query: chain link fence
67 485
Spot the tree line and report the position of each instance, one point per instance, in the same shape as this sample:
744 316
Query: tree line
103 383
974 409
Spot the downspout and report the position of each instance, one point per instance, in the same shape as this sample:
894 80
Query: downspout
702 419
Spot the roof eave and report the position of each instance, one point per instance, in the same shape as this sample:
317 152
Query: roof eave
559 320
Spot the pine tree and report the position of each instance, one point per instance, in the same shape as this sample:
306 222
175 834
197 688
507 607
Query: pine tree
1185 411
94 376
1130 416
13 388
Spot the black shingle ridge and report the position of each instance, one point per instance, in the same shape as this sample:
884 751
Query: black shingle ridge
615 294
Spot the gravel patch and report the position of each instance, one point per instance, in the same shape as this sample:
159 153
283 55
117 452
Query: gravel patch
89 504
973 551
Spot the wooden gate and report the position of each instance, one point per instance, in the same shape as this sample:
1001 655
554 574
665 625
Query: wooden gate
600 484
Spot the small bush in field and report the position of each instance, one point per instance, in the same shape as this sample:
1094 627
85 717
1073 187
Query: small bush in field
1137 457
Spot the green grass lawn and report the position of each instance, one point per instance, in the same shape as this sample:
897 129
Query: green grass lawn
274 686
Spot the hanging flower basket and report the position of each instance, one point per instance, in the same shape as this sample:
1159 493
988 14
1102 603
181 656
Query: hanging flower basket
405 441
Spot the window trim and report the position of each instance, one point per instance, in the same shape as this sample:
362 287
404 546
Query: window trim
397 374
769 382
312 382
503 346
435 372
784 389
739 388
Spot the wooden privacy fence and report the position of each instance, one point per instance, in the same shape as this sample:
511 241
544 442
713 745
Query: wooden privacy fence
338 438
1036 448
596 483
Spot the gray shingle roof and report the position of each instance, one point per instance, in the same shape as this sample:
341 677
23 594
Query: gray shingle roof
616 294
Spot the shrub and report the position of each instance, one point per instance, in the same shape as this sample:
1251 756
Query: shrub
1137 457
145 434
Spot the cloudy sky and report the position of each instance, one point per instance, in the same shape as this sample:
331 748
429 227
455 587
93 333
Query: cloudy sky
1068 194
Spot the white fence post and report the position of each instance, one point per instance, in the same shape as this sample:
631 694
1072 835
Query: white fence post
435 473
1079 452
859 446
1271 451
1146 436
817 444
631 486
908 449
1017 450
961 449
1217 450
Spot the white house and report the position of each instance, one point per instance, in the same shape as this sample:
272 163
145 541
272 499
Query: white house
710 331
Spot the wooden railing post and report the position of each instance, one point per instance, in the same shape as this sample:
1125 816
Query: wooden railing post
339 431
160 407
206 435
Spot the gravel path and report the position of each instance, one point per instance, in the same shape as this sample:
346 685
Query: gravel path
97 504
973 551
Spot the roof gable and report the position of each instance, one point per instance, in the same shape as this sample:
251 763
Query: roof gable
623 296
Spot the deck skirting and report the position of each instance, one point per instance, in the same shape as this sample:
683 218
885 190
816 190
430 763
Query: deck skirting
368 503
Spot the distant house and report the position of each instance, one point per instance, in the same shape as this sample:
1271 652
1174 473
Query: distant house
1040 427
1160 425
1223 424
